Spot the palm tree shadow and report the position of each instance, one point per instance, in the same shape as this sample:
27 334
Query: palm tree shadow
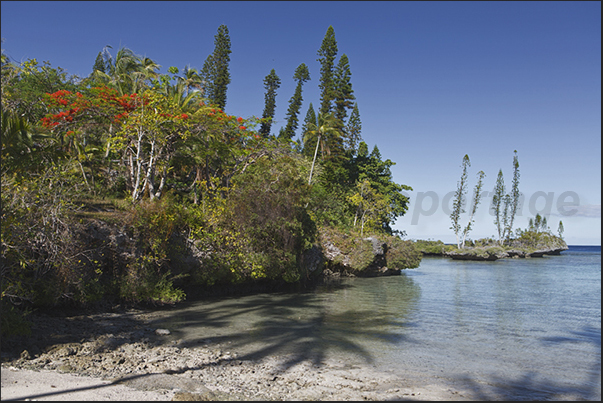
298 327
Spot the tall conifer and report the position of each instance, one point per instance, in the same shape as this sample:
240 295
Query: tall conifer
215 72
344 94
99 63
327 54
301 75
271 83
309 121
352 130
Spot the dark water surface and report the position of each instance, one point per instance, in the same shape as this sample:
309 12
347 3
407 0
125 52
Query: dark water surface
513 329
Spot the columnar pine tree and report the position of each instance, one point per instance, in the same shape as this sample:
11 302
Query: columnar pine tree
352 130
327 54
301 75
309 122
215 69
476 199
513 198
497 203
99 64
458 206
271 83
344 94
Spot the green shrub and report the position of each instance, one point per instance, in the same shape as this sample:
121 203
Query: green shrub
402 254
14 321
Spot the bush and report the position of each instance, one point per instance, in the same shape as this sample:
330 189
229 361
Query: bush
402 254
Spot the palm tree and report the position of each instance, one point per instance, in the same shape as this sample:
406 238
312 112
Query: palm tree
128 72
191 79
19 140
146 70
327 126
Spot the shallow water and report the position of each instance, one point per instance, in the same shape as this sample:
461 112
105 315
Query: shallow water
513 329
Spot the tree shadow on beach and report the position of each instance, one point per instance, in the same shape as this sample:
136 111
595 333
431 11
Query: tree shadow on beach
299 327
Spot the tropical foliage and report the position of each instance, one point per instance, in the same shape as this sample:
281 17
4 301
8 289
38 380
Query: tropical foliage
189 195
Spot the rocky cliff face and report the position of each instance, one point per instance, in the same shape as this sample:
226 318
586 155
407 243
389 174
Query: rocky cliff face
373 256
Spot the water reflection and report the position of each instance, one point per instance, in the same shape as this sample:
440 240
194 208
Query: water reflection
339 319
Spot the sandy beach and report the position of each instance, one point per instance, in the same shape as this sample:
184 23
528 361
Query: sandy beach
120 356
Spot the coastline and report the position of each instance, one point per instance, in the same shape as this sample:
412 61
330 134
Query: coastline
132 363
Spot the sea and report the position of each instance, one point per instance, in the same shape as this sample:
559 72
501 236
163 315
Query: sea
512 329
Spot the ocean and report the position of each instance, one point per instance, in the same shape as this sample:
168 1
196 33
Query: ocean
512 329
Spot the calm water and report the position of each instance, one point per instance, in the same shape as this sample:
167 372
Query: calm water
514 329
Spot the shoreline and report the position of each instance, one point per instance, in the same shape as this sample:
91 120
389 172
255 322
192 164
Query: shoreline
130 360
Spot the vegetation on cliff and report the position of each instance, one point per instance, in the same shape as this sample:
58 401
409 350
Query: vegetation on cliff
131 185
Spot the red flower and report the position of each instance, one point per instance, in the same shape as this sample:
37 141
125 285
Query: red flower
242 127
239 119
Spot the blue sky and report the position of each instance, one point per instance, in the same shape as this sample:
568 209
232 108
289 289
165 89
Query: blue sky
433 81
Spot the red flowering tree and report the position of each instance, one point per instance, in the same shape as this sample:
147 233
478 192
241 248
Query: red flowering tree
153 135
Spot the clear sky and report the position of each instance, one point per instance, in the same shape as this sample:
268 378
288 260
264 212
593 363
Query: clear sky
433 81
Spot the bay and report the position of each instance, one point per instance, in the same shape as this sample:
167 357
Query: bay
513 329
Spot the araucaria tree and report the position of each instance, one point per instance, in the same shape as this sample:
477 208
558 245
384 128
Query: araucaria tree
215 71
498 199
310 121
271 83
327 54
344 94
458 206
476 199
513 198
352 130
301 75
509 203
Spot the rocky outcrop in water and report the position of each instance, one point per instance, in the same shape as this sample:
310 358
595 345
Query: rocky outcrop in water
372 256
528 246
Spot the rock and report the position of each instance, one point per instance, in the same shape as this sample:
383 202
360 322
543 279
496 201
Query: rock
162 332
25 355
478 253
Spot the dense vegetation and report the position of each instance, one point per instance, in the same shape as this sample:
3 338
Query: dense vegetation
191 195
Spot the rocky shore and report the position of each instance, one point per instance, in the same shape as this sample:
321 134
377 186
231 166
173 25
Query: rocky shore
123 350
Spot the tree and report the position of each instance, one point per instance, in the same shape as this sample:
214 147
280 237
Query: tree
344 94
458 205
327 54
476 200
560 229
301 75
497 202
513 198
99 64
369 205
325 130
271 83
310 119
352 130
127 72
371 167
21 143
215 71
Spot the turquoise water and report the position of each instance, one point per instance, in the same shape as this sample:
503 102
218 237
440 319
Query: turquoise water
513 329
